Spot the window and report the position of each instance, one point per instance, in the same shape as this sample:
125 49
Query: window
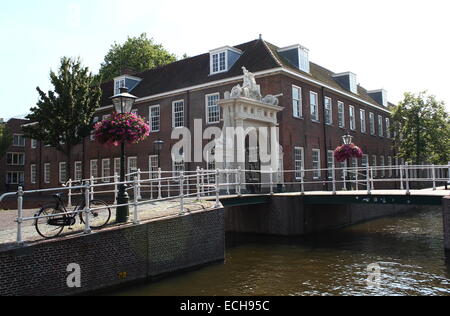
374 164
212 108
354 166
47 173
15 177
132 166
299 161
316 163
390 166
218 62
330 163
106 170
363 121
297 104
34 144
380 126
314 106
372 123
78 171
328 111
94 169
382 164
15 159
178 113
62 172
33 174
341 114
119 84
92 132
18 140
352 118
365 161
388 128
153 166
116 166
155 118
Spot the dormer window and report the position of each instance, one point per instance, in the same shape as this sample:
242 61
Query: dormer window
380 96
348 81
127 81
222 59
297 55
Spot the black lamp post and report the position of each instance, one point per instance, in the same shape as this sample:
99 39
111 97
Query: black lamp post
123 103
347 139
158 148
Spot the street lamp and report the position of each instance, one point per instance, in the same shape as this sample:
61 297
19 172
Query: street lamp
123 103
158 148
348 139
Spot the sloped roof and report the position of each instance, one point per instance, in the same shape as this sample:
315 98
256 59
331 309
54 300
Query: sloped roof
258 55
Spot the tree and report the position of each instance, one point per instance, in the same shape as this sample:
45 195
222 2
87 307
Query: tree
64 116
421 128
5 139
138 53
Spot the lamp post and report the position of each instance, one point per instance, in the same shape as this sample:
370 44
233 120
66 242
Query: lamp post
123 103
347 139
158 145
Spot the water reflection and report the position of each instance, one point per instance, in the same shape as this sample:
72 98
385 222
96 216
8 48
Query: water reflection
408 248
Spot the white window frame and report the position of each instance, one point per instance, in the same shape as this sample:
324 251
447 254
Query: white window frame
153 166
380 126
209 108
330 163
21 141
316 165
19 176
363 119
372 124
212 64
63 171
374 164
299 164
352 117
78 172
152 117
314 107
129 169
117 166
33 174
341 114
106 170
93 166
174 113
47 173
328 111
383 164
119 83
15 159
297 104
34 143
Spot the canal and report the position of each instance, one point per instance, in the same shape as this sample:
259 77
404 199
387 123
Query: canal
408 248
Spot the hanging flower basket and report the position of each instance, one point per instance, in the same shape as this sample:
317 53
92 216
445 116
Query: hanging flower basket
345 152
124 128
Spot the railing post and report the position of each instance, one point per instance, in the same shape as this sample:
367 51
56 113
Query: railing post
401 177
159 184
116 188
344 172
333 177
407 179
239 176
199 194
136 200
228 181
92 187
181 192
357 178
302 181
217 188
19 216
271 182
372 181
203 181
433 174
139 184
86 211
69 202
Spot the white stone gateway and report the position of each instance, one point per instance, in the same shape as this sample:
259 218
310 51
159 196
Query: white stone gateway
250 126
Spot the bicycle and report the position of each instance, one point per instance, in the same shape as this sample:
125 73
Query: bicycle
52 227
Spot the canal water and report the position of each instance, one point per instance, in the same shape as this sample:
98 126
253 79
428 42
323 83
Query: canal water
407 248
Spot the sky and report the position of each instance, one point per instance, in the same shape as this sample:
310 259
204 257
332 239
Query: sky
398 45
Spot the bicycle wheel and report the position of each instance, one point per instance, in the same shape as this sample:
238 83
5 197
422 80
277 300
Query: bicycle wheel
98 218
43 228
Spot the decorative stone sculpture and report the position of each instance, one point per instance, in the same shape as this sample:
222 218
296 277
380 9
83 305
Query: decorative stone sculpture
250 90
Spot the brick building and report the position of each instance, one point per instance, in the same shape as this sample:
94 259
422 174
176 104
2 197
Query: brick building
319 107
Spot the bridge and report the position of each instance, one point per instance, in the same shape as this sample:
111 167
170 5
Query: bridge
380 185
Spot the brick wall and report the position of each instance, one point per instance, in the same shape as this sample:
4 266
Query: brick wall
141 251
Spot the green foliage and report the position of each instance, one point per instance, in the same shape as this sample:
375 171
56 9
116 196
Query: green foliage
5 139
138 53
421 127
64 115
